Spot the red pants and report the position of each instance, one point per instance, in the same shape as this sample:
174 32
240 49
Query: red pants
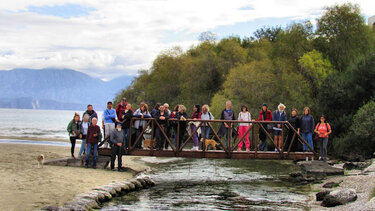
241 131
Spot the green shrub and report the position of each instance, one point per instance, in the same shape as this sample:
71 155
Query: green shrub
360 139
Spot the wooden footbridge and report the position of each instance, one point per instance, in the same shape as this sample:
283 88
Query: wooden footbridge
228 150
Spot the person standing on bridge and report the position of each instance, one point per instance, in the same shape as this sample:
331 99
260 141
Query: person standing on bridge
181 115
161 117
139 125
116 140
279 115
94 136
127 115
307 128
109 119
226 114
168 125
120 108
295 122
264 115
206 115
193 125
174 123
244 115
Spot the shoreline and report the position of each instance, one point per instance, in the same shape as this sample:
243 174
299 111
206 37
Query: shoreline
27 187
36 138
363 181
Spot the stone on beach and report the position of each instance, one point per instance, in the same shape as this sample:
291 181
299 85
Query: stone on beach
319 169
339 197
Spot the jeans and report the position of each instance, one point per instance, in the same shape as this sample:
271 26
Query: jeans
116 150
308 138
88 151
83 143
126 135
323 147
207 132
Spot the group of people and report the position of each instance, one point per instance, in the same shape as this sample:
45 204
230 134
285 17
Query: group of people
116 126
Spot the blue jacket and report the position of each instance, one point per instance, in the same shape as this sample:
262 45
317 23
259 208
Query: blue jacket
109 115
276 116
307 124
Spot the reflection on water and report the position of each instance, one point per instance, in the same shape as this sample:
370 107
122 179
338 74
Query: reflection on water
208 184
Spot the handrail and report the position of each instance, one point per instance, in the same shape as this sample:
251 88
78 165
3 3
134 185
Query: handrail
230 145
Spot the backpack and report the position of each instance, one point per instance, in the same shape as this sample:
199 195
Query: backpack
325 124
209 115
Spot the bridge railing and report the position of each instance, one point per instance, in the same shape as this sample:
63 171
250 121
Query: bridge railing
232 137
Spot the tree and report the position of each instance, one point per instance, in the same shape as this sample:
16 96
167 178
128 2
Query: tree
315 69
343 36
268 33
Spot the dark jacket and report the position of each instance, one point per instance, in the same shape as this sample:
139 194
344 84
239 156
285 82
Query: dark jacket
179 115
127 118
158 115
307 124
153 112
91 114
116 137
90 138
294 121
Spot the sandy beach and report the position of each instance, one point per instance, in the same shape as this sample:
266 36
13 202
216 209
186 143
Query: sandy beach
26 187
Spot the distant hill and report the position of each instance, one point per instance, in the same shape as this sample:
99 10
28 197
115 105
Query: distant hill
56 89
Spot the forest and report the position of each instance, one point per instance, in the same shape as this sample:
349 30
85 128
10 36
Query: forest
329 67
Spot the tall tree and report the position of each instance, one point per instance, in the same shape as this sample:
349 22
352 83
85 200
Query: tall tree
343 36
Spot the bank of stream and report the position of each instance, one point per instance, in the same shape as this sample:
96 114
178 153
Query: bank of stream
209 184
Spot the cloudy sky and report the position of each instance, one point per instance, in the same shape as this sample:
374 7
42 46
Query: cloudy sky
109 38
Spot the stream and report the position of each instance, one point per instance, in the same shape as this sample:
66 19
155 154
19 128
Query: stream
214 184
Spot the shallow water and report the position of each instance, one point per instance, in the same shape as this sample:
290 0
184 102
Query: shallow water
208 184
36 123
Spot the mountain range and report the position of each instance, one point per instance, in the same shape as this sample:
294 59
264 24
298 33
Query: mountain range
62 89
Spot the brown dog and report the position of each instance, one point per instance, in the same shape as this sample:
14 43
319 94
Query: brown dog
209 142
40 160
148 143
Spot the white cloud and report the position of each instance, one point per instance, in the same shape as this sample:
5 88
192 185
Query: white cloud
122 37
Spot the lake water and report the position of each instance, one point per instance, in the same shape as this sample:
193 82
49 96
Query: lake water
49 124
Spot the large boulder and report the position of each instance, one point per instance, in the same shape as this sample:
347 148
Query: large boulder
319 169
339 197
322 194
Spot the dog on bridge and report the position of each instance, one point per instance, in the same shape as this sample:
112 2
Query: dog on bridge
40 160
209 142
148 143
